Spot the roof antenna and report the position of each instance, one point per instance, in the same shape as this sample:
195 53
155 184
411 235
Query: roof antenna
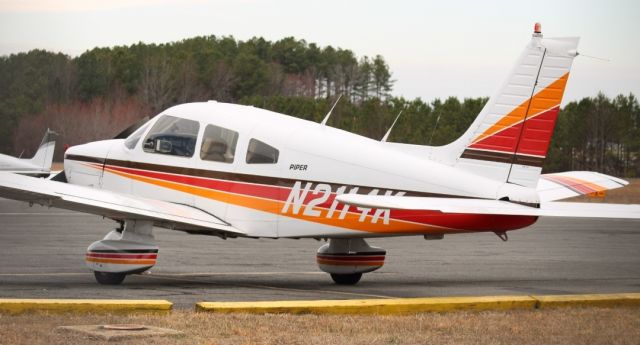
435 127
386 136
326 118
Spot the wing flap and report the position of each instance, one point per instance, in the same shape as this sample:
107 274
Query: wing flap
492 207
109 204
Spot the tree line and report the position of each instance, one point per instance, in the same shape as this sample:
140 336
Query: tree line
155 76
595 133
99 93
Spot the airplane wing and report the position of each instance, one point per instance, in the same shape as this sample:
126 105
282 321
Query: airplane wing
568 184
495 207
112 205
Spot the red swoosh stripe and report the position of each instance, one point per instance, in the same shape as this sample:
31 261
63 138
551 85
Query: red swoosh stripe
273 198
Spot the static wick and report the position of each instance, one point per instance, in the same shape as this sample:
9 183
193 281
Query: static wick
593 57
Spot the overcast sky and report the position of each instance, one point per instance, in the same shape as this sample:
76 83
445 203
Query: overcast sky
434 48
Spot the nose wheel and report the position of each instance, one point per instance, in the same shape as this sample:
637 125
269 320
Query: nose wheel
128 250
108 278
346 279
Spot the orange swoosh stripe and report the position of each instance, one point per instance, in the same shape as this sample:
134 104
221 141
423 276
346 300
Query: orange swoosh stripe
351 220
547 98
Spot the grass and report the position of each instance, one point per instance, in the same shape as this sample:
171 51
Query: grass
559 326
629 194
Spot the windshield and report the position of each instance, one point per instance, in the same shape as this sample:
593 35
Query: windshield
133 139
172 136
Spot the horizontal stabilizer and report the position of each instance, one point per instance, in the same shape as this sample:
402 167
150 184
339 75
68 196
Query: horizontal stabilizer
496 207
110 204
568 184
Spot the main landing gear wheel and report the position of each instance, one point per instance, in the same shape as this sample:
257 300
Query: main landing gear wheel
107 278
346 279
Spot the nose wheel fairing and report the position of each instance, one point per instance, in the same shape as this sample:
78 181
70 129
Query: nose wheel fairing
130 251
347 259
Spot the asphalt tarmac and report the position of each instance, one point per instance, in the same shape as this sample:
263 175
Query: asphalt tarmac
42 256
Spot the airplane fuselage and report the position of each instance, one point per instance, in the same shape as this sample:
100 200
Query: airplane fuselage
15 164
39 165
293 196
21 166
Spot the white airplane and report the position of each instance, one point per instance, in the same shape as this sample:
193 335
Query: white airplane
237 171
39 165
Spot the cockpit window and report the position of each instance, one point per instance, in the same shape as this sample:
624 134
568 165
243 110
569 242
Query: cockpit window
261 153
133 139
218 144
172 136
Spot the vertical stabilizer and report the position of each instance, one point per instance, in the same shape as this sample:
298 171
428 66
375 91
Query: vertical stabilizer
44 156
509 139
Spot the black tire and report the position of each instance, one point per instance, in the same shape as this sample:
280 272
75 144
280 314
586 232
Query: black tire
107 278
346 279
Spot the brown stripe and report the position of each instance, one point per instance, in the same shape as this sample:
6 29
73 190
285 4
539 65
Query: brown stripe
529 160
502 157
246 178
487 156
84 159
124 251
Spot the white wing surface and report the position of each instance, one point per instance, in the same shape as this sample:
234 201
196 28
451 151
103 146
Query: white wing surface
574 183
111 205
496 207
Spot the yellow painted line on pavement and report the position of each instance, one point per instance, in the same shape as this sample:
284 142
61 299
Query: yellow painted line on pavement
17 306
594 300
373 306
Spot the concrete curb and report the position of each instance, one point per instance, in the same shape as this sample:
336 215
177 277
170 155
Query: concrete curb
373 306
599 300
419 305
18 306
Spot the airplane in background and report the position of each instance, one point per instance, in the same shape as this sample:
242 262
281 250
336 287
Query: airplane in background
237 171
39 165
